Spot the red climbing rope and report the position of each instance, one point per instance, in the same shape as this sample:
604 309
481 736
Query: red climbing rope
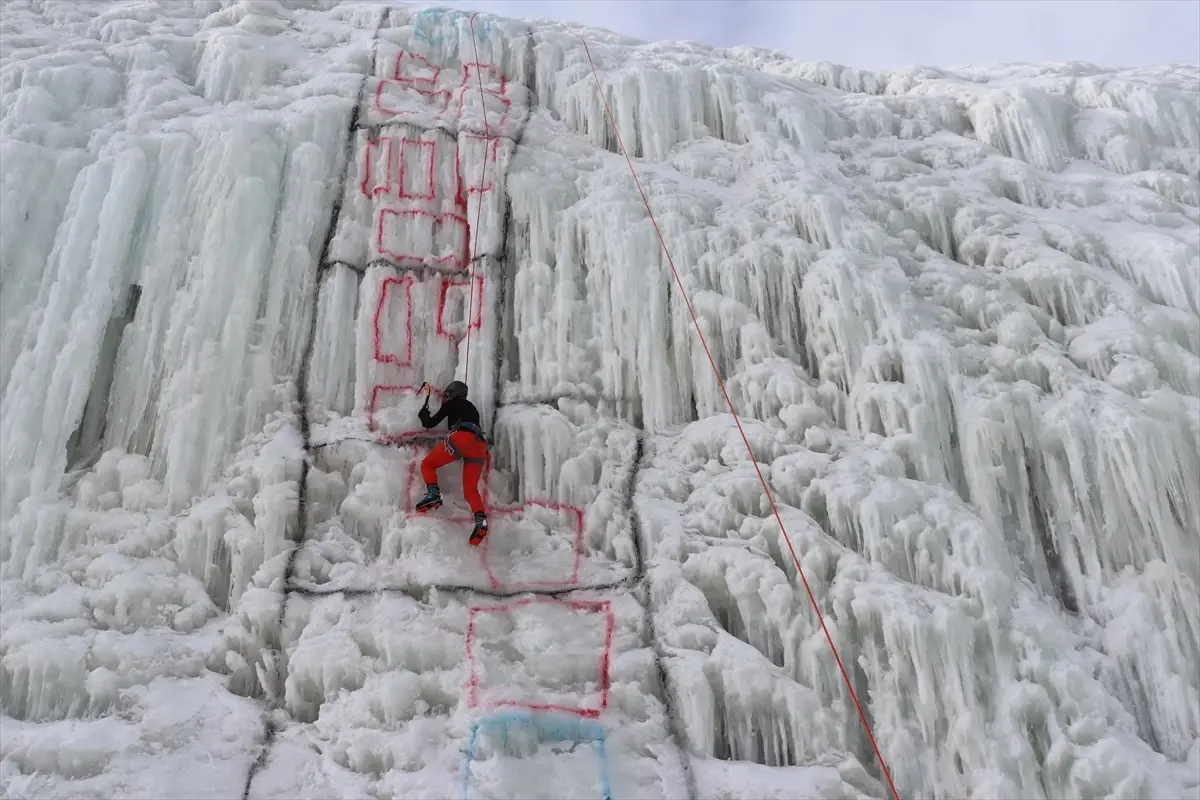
487 141
745 439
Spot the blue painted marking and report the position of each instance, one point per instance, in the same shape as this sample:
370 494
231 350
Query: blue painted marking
426 25
548 727
605 778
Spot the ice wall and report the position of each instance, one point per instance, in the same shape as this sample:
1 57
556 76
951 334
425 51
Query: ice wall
147 127
959 312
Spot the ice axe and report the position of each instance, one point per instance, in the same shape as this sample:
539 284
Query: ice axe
428 391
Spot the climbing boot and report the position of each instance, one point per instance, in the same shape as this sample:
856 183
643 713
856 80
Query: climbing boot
432 500
480 531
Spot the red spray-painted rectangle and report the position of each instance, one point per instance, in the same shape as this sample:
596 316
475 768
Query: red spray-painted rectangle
389 95
378 167
573 513
464 295
413 78
412 237
416 70
498 515
582 608
414 436
411 176
489 148
418 158
487 84
377 392
383 327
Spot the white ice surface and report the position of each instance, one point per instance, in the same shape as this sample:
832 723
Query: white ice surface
959 313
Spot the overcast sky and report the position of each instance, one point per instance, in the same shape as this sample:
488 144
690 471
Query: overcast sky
882 34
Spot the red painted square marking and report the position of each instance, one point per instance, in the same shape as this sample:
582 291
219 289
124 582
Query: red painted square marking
413 238
412 436
417 171
493 94
387 91
457 295
410 176
378 167
377 392
387 325
498 515
487 150
416 70
414 77
493 683
573 518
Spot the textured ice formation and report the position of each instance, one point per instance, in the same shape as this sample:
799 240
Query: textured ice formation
958 313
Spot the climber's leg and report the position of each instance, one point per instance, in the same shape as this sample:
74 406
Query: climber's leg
434 460
473 450
437 458
472 472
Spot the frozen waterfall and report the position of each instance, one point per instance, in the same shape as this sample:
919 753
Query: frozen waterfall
957 312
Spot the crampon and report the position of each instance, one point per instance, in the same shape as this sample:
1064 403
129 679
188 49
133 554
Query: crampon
480 531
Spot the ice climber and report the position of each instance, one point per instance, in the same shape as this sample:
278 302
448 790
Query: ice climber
465 441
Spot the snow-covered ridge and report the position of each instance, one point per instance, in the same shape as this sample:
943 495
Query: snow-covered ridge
958 310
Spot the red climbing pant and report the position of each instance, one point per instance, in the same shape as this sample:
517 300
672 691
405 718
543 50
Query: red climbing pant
472 450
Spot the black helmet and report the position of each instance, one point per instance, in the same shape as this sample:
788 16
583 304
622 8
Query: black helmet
455 390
